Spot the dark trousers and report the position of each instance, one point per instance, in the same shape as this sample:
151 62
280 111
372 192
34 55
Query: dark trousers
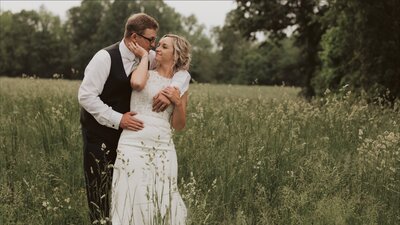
98 157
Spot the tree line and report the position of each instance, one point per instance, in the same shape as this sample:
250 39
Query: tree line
39 43
342 43
333 43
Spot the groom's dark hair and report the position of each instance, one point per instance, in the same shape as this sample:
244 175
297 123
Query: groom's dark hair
138 23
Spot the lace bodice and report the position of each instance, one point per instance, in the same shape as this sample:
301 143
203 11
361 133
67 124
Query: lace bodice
141 101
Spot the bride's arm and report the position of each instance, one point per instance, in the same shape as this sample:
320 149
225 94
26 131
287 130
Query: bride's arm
178 120
140 74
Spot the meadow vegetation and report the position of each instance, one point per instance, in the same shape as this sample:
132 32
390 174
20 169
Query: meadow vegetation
249 155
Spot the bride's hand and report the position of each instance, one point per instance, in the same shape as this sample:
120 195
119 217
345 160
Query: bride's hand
137 49
160 102
172 94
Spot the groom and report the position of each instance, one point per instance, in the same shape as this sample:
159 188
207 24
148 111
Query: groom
105 99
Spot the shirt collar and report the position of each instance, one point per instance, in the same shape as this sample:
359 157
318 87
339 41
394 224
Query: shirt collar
126 53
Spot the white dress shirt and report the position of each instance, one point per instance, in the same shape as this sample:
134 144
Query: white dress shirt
96 75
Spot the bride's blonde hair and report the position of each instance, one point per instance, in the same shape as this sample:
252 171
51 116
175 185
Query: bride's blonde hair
182 52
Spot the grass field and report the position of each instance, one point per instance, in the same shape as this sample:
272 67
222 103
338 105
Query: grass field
249 155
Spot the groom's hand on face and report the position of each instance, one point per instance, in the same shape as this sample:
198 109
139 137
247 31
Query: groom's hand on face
160 103
129 122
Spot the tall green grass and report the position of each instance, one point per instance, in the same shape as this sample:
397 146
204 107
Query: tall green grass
249 155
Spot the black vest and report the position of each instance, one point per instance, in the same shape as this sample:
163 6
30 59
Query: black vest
116 94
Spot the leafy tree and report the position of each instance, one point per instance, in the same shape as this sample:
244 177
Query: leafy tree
97 24
361 47
6 43
232 48
204 59
83 23
17 41
49 47
246 62
111 26
169 20
342 42
32 43
38 43
274 17
271 64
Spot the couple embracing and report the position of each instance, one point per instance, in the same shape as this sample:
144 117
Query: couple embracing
132 98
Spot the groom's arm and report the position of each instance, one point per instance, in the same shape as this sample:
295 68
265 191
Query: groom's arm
96 75
180 81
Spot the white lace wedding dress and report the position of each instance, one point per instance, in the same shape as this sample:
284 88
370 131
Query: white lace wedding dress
144 186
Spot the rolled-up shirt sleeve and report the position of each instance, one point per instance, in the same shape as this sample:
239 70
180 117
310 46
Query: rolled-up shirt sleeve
96 75
181 81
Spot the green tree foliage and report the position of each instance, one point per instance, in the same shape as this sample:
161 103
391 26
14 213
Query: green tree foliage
271 64
111 25
97 24
33 43
169 20
244 62
83 25
203 63
204 59
333 43
37 43
342 42
361 48
232 48
274 17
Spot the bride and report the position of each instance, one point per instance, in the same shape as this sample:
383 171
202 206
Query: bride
144 186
